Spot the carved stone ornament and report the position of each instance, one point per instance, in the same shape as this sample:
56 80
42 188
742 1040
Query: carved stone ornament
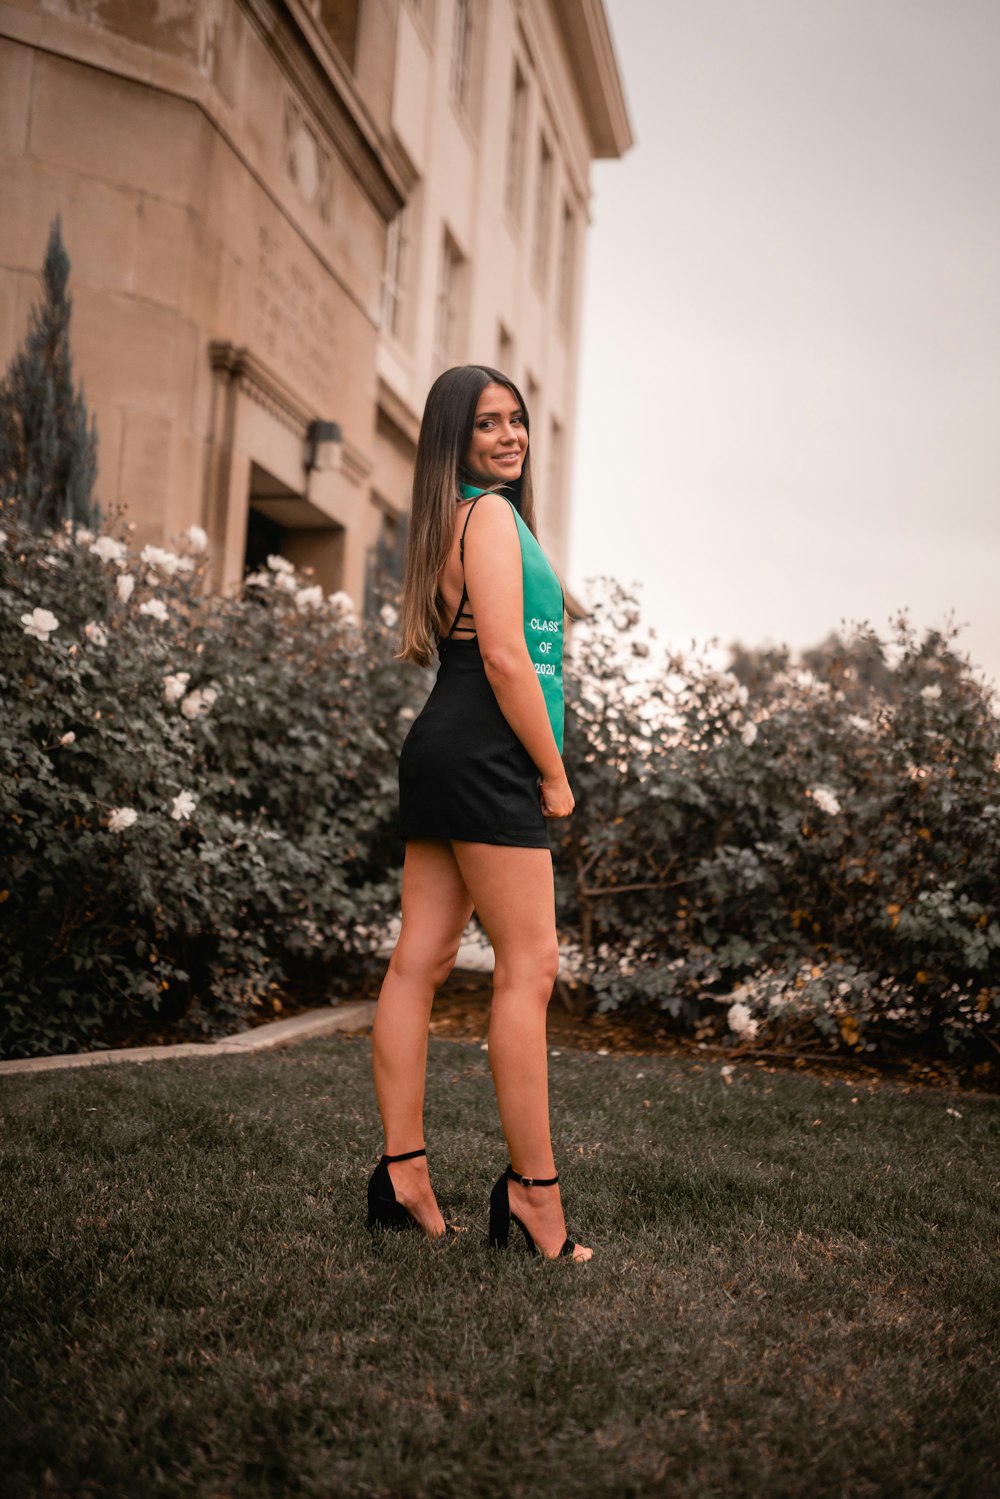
307 159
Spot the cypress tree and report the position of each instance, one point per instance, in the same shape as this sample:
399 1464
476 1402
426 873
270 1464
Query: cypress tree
48 449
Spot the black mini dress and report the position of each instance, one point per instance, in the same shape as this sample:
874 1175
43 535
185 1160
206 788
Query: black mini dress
463 772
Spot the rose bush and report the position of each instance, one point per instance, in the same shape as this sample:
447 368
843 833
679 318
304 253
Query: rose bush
198 812
821 847
197 793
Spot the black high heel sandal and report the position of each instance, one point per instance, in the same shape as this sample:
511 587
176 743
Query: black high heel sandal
383 1209
501 1214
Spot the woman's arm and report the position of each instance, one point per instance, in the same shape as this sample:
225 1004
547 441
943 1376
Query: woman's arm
496 594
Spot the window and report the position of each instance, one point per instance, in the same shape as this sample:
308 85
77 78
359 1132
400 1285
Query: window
339 18
512 194
461 51
555 478
533 396
394 275
447 321
422 12
505 351
384 561
567 267
543 213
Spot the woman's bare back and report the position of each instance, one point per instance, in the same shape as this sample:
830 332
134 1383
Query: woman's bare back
451 582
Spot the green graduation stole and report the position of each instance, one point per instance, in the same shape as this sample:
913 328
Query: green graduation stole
543 616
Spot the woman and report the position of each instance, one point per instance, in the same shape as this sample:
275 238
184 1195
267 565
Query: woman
480 772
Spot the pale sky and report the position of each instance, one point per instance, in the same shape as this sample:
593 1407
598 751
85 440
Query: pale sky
789 410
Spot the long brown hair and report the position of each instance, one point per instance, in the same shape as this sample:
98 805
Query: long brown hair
445 434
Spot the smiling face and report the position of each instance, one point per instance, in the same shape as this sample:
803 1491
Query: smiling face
499 436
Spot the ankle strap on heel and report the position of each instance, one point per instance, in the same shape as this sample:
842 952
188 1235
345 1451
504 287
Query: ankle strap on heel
408 1155
532 1181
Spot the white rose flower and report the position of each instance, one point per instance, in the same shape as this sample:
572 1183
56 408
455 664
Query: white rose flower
201 700
279 564
155 608
749 733
83 537
257 580
40 624
740 1021
931 692
108 549
310 598
183 805
863 725
121 818
3 538
96 634
68 738
342 602
167 562
407 713
825 800
175 686
197 538
125 583
388 615
286 582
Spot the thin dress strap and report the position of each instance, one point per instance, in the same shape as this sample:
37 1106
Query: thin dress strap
464 631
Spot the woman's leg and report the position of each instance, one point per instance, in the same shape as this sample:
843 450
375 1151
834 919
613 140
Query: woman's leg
436 909
514 898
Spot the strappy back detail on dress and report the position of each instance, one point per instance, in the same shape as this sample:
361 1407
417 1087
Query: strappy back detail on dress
459 631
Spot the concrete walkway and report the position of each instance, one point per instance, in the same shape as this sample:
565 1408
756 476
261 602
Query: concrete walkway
322 1022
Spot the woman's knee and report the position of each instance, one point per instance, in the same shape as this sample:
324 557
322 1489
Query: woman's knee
532 968
422 965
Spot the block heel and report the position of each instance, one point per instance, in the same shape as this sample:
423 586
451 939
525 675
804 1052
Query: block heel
384 1211
501 1214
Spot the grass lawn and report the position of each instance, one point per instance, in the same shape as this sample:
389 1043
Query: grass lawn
794 1289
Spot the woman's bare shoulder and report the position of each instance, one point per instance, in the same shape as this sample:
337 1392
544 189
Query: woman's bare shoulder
492 512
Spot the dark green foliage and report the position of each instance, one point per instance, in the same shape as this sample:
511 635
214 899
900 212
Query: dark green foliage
795 1288
827 842
829 838
286 868
48 452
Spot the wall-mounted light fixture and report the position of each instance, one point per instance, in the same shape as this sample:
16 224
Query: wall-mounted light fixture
320 435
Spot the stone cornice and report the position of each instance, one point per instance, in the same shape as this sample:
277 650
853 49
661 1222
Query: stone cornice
583 26
300 50
239 363
325 85
264 387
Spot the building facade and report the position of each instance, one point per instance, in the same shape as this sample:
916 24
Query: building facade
284 219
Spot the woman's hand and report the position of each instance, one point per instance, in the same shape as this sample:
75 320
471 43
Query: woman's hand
557 798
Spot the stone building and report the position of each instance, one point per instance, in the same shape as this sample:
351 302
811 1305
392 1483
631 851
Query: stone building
284 218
